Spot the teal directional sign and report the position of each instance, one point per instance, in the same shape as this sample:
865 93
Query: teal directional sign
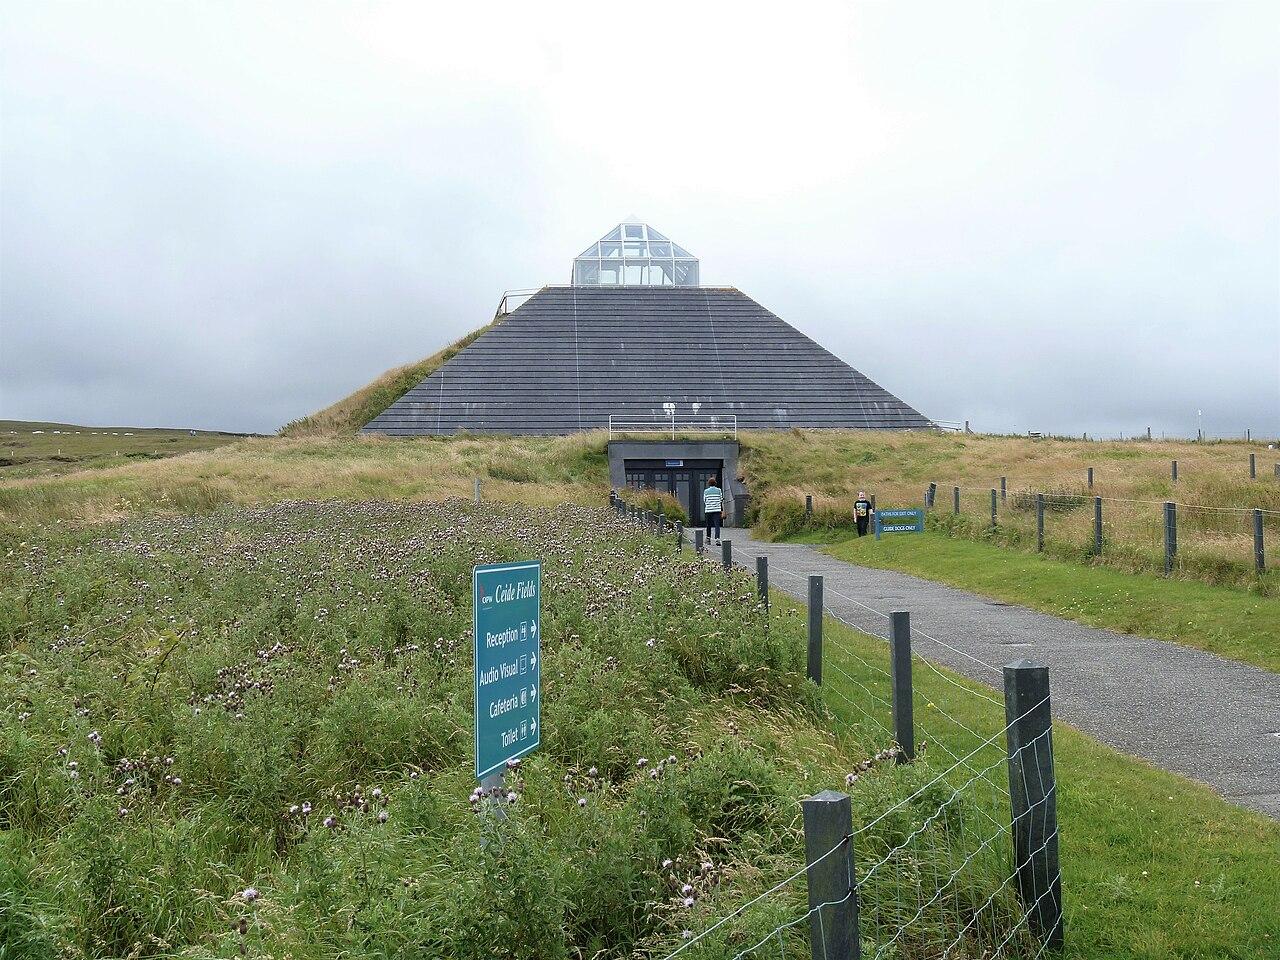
507 615
899 521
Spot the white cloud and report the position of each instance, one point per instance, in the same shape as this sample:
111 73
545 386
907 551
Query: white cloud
1050 215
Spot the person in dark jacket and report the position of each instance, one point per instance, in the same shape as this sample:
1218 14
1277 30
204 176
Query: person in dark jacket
862 513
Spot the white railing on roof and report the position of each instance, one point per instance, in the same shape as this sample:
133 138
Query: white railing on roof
726 425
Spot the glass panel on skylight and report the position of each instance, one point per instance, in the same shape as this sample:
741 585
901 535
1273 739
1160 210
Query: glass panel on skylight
624 257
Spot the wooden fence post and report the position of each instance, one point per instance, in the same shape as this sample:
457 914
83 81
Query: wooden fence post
833 895
1033 797
815 629
1259 557
900 670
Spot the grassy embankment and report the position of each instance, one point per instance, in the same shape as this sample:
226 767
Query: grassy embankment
1154 866
249 732
1231 623
534 470
317 653
32 449
1214 546
353 411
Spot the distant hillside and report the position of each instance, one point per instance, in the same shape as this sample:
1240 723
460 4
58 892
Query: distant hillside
38 448
352 412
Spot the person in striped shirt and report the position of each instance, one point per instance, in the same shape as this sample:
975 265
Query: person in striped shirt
712 498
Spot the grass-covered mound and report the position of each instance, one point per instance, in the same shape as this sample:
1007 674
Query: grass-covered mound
536 470
247 732
353 411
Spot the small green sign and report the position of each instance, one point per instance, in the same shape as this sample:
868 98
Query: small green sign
899 521
507 618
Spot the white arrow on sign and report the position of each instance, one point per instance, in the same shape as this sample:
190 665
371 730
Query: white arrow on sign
533 660
533 726
533 628
533 693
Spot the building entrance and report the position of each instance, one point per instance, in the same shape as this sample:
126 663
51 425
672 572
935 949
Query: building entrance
683 479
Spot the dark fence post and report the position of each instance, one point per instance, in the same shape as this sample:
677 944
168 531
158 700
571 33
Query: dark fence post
1091 478
477 489
1253 466
1097 526
1033 796
1004 489
662 523
993 506
1259 558
1170 536
955 500
833 896
933 493
1173 470
679 535
808 506
697 540
1039 522
762 579
815 629
726 553
873 503
900 668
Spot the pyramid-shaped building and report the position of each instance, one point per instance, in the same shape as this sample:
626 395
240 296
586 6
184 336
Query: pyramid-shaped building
636 339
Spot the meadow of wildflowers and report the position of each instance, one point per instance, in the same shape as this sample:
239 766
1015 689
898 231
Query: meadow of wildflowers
248 733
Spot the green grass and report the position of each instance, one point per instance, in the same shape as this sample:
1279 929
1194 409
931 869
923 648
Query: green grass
1215 493
1154 865
35 449
1230 623
318 651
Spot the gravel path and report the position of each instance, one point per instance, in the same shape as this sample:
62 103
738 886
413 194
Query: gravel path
1196 714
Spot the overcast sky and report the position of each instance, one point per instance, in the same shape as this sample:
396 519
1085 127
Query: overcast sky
1031 215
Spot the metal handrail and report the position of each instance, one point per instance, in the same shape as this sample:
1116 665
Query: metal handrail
722 424
504 307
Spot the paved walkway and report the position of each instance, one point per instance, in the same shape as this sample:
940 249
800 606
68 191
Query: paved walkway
1210 719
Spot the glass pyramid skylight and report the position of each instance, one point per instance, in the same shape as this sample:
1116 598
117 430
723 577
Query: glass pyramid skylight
633 254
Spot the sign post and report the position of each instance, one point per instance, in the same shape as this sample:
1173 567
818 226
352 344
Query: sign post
507 618
899 521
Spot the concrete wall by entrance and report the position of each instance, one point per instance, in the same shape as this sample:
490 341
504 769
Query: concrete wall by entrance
726 451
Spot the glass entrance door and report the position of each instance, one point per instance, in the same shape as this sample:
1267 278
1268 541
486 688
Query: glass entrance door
685 482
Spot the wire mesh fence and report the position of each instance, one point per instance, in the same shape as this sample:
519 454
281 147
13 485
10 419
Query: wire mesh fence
942 871
1212 542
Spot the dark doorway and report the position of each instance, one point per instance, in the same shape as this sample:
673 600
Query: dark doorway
683 479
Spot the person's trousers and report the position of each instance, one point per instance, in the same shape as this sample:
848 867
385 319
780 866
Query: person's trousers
862 525
713 520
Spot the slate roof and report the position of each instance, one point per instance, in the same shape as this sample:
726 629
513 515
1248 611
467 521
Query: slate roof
570 356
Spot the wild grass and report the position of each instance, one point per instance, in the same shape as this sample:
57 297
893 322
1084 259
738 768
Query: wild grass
247 732
348 415
535 470
1215 544
31 449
